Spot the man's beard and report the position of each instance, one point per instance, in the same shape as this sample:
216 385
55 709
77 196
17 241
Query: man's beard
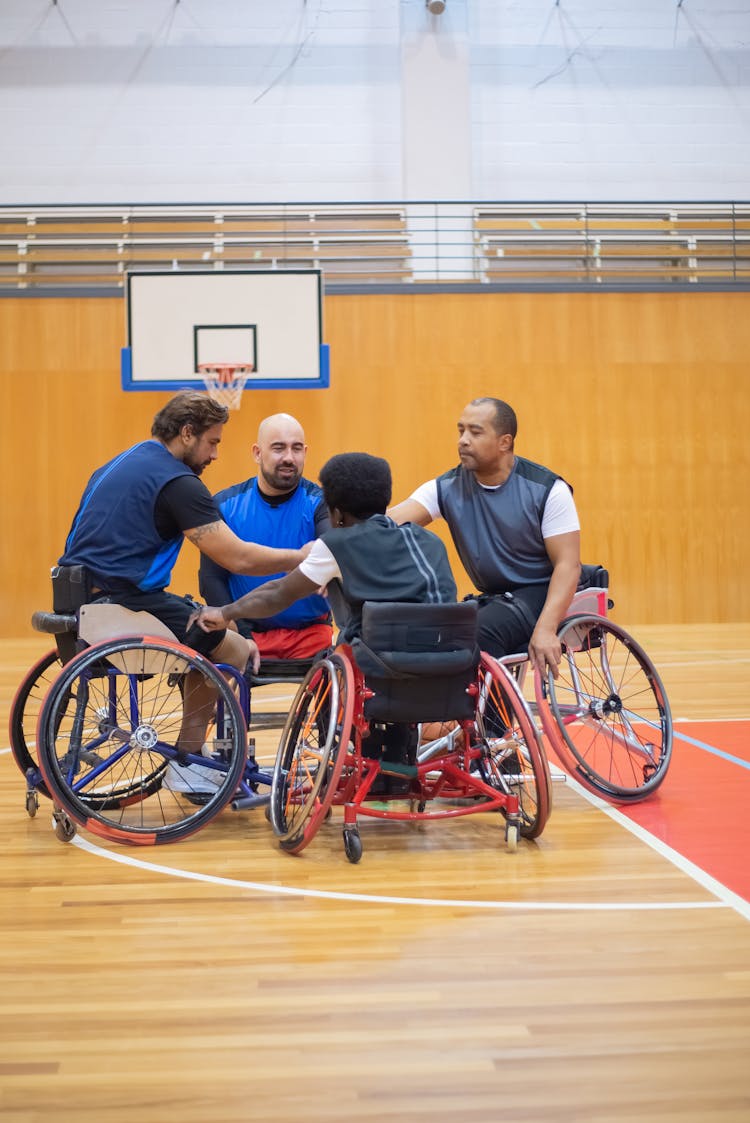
281 483
195 466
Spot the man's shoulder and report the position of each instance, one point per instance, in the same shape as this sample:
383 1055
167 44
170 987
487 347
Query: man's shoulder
235 491
186 486
537 473
311 489
458 473
452 473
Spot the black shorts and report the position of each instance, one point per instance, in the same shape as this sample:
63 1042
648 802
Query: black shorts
505 621
173 611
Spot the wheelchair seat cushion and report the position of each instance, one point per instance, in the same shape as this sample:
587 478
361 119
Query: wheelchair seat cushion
418 659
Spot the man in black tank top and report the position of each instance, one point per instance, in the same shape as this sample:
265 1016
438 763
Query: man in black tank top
371 558
516 530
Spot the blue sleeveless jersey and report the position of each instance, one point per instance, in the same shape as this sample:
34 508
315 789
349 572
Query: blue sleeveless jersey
113 533
286 525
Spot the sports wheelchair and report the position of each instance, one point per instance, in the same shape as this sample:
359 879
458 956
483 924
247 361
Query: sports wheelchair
108 706
414 663
606 717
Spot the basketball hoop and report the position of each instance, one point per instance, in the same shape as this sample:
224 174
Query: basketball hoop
225 381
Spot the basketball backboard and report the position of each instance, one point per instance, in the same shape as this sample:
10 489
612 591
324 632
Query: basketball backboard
269 320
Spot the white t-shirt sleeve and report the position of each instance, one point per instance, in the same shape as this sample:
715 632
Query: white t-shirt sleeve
560 514
320 565
427 495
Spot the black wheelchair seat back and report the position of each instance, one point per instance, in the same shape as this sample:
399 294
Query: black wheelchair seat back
418 659
593 577
71 588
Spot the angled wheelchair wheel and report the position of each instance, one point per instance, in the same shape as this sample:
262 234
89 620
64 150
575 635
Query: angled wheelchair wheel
311 753
107 739
24 713
513 758
610 710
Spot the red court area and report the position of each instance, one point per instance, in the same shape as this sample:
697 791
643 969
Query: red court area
702 808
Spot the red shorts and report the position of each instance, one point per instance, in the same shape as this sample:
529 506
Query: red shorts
288 643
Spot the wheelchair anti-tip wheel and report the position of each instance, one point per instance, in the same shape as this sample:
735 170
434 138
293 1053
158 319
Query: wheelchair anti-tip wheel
612 726
311 752
24 713
513 759
107 739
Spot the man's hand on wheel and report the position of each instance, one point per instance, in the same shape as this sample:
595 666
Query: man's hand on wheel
545 651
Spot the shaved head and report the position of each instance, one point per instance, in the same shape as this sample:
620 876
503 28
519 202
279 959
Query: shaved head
279 423
280 453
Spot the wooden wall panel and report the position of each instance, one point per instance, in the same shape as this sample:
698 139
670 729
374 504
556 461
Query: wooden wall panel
640 400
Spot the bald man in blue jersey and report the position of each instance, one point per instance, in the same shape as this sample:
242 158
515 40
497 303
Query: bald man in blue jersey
278 508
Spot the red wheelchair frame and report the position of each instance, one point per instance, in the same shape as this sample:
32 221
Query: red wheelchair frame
606 716
493 761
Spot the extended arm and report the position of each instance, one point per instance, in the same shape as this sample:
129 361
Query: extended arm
222 545
213 582
410 511
266 600
421 507
544 646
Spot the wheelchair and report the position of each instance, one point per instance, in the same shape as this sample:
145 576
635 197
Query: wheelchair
277 672
108 705
414 664
606 717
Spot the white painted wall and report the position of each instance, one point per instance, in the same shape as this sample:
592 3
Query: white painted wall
139 101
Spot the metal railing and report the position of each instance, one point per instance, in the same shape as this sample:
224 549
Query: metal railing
402 243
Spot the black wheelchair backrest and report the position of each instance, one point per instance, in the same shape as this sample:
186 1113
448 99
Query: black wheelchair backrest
418 659
593 577
70 588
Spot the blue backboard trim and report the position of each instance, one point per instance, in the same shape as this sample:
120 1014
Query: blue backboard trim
320 383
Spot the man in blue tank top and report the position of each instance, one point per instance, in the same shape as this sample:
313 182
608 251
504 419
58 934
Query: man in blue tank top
136 511
516 530
280 508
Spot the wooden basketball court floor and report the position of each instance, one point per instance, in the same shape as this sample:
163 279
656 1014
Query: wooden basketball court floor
601 973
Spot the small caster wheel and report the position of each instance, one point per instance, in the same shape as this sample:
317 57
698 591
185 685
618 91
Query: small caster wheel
352 846
64 829
32 804
511 837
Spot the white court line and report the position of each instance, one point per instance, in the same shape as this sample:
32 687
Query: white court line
725 662
381 899
725 897
707 720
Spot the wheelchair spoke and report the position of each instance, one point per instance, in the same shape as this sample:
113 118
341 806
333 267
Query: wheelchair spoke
513 759
310 756
611 710
109 741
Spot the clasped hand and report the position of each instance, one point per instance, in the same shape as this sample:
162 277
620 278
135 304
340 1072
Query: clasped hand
209 619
